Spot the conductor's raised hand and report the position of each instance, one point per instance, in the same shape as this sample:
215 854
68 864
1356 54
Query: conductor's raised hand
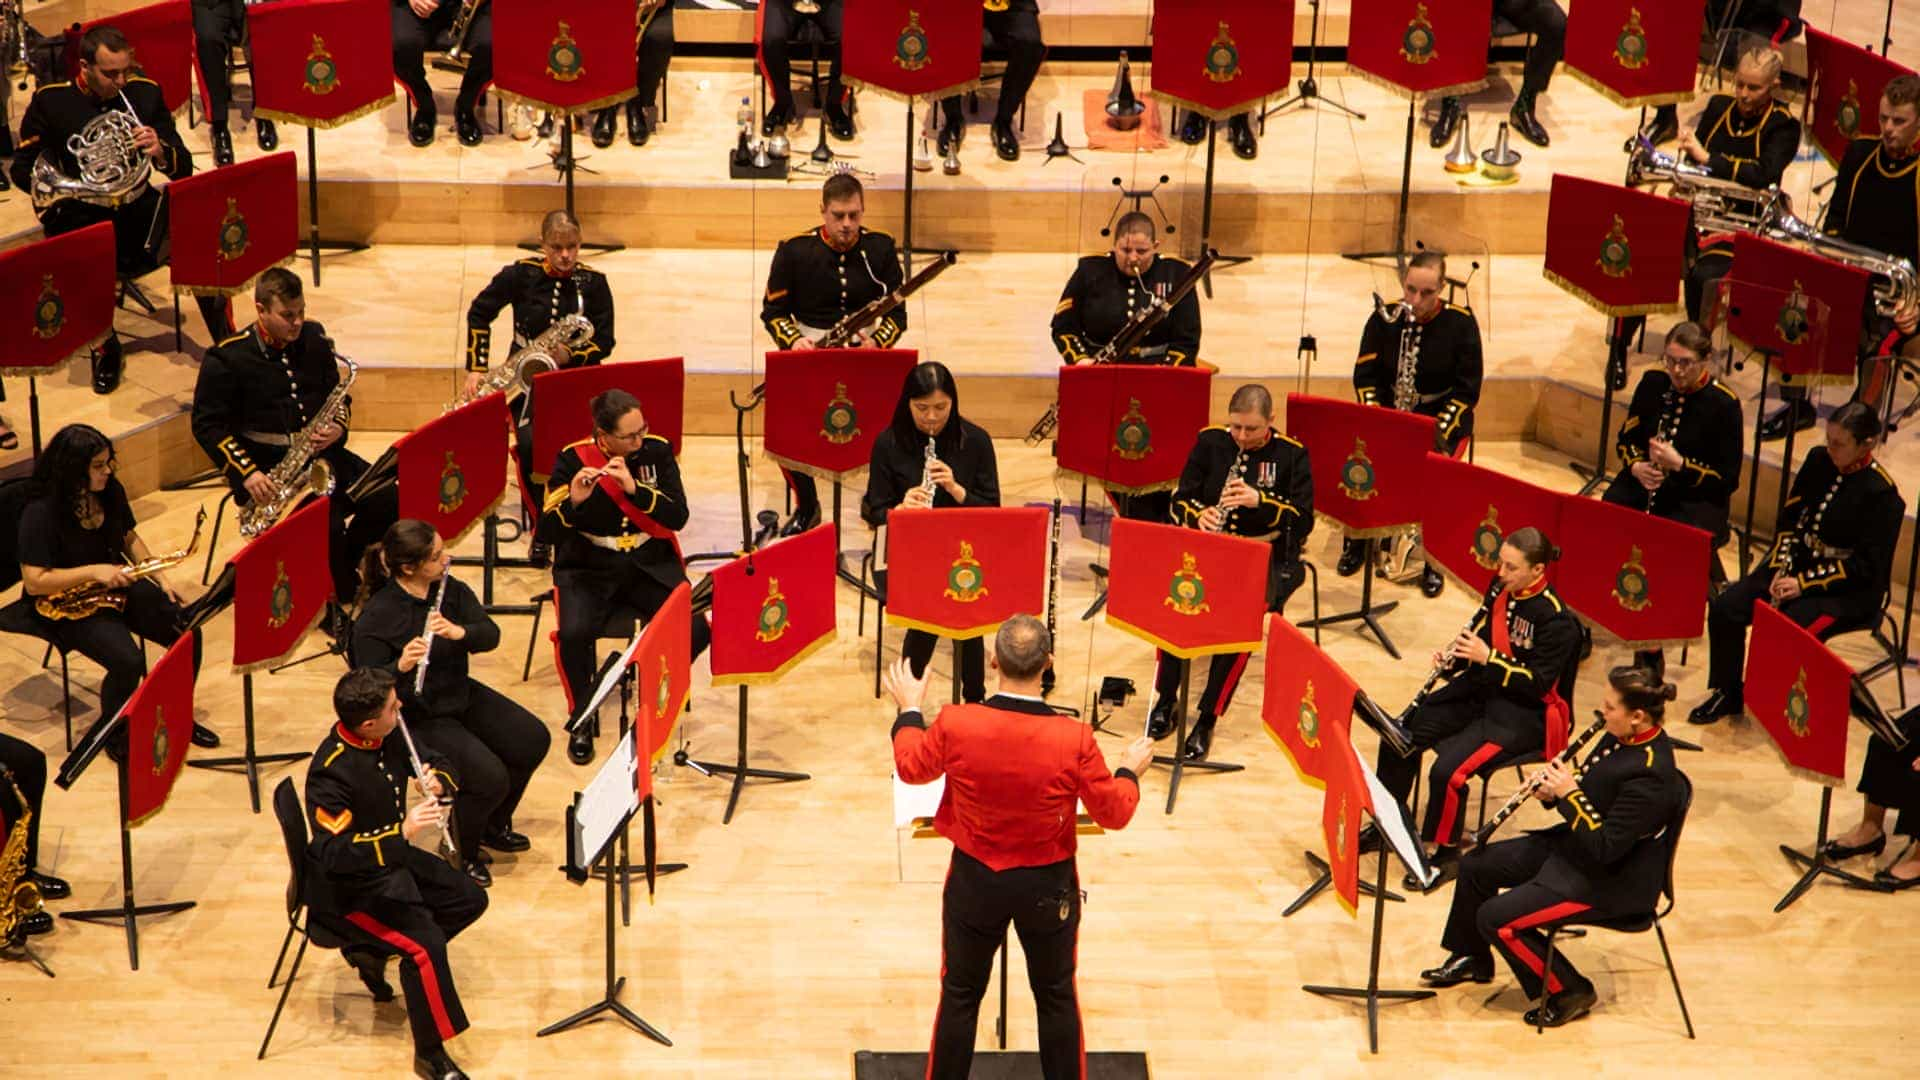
427 814
907 689
1138 756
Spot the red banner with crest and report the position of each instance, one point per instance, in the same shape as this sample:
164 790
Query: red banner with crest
1221 57
230 225
159 719
163 50
1304 690
961 571
1635 53
1640 577
1797 689
1340 811
321 63
1189 592
565 415
662 668
772 609
56 299
1131 426
1414 47
1777 291
1382 453
1846 81
453 469
1622 251
825 407
564 55
1470 510
281 587
911 48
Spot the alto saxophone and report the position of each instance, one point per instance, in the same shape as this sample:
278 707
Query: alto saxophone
302 471
568 332
1396 554
80 601
19 896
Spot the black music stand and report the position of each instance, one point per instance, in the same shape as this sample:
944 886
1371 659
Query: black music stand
1599 474
739 769
1206 214
623 868
248 761
1178 759
315 245
610 1002
566 164
1309 89
1398 252
1372 993
1817 863
1368 613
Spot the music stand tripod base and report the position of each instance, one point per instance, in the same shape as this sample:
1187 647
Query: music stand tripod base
1178 760
1323 878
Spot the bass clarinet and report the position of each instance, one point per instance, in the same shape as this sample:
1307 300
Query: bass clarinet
1519 798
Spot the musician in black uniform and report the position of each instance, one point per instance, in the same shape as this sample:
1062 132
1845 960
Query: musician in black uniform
1546 21
417 24
218 26
1247 479
653 51
259 389
61 111
820 277
784 19
1772 21
1509 674
1680 444
1606 859
494 744
368 881
1876 204
1441 341
1831 559
612 551
1014 26
78 529
963 472
1889 777
1107 290
26 766
541 289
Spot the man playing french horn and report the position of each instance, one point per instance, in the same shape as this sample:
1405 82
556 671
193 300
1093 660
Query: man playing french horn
259 399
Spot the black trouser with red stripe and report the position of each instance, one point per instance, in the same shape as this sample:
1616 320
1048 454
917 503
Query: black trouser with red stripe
1043 904
417 932
1225 669
495 746
1469 735
1514 921
1730 613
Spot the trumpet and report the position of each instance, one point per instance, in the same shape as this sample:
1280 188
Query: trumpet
86 598
456 57
1519 798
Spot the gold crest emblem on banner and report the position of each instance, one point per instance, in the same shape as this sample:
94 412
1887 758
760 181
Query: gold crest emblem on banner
49 311
564 60
1792 322
235 235
1846 118
160 743
1487 538
453 485
966 582
910 49
280 599
1340 832
1417 42
663 692
1309 719
1616 252
1630 48
1223 57
1356 474
1630 587
773 613
842 421
1133 439
321 75
1799 712
1187 592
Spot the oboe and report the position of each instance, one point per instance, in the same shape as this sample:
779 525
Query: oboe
1446 663
1527 789
1053 595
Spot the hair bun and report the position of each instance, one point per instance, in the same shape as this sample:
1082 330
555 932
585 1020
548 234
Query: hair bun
1669 691
1553 552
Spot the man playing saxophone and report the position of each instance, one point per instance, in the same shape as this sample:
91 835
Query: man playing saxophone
122 130
257 401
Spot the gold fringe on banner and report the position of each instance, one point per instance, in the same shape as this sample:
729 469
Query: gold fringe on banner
576 110
814 471
935 95
58 365
1610 310
1167 646
326 123
1637 646
1400 91
1378 532
1803 773
1210 113
767 678
1060 474
1649 101
262 665
230 290
959 634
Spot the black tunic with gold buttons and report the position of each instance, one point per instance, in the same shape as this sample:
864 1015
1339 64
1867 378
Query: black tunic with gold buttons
812 285
539 299
1100 299
1447 369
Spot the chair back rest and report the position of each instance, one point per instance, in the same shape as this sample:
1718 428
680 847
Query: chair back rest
293 832
1674 827
14 496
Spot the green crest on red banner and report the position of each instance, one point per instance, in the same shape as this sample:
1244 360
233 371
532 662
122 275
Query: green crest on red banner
160 746
1309 719
773 613
1487 538
1616 253
1793 323
1133 439
564 61
235 236
1797 708
453 486
910 49
1630 586
1630 48
966 581
322 75
280 600
1223 57
1417 42
1356 474
842 421
1187 592
1846 118
49 311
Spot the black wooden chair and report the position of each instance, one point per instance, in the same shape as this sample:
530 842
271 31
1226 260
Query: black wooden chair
293 832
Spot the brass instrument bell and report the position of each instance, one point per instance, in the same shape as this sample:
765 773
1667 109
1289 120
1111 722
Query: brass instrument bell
1124 109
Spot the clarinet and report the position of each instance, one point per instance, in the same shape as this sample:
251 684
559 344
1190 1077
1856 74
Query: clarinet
926 472
1519 798
1234 472
1053 595
446 848
1447 663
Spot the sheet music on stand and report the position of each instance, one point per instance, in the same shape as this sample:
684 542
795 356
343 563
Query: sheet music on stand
610 676
914 806
607 802
1393 826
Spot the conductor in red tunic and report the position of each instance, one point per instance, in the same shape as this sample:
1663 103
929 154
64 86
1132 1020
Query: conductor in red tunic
1014 770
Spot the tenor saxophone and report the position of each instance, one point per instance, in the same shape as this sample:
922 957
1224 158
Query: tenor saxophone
568 332
19 896
302 471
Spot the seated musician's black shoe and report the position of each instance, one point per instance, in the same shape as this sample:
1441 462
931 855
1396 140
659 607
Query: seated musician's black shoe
1835 850
1564 1007
1193 128
5 184
108 364
1890 883
436 1065
505 839
478 871
204 737
51 888
222 140
266 134
1665 127
1797 415
1719 703
1160 721
1005 142
40 922
1444 860
467 126
951 135
606 124
638 129
839 121
1431 582
420 131
1199 740
804 518
372 969
545 128
1650 660
1459 968
335 623
1370 839
539 555
1240 133
580 747
1352 554
777 118
1451 110
1525 123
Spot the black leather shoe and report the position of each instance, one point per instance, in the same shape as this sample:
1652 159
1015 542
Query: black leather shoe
1526 124
1193 128
505 839
372 969
803 518
1665 127
420 132
1431 582
1797 415
1005 142
951 136
222 147
1450 112
545 128
467 127
478 871
1160 721
777 118
266 134
1370 839
204 737
51 888
5 184
1719 703
638 129
539 554
108 362
606 123
1887 881
839 121
1240 134
1445 860
40 922
1352 554
580 747
437 1066
1459 968
1199 740
1563 1007
1836 851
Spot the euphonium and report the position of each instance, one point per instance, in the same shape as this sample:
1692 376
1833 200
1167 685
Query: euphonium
302 471
84 599
568 332
19 896
113 168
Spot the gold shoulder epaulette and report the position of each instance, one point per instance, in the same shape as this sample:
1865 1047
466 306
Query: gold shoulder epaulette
1462 310
1725 389
141 79
1554 597
531 260
52 86
651 437
1221 428
234 338
577 442
1884 474
1286 438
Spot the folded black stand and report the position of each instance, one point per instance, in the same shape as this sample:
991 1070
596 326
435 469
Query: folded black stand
490 560
128 912
738 769
1179 757
566 165
1816 863
248 760
1372 993
1325 878
615 982
1368 613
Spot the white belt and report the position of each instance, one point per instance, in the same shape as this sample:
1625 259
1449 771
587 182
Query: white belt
623 542
267 438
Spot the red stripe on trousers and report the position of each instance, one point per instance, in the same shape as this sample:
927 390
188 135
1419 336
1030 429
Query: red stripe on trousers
1510 934
429 979
1819 625
1231 684
1456 784
558 664
934 1042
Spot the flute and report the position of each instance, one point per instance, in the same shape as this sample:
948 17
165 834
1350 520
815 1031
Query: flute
446 848
1532 783
426 635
